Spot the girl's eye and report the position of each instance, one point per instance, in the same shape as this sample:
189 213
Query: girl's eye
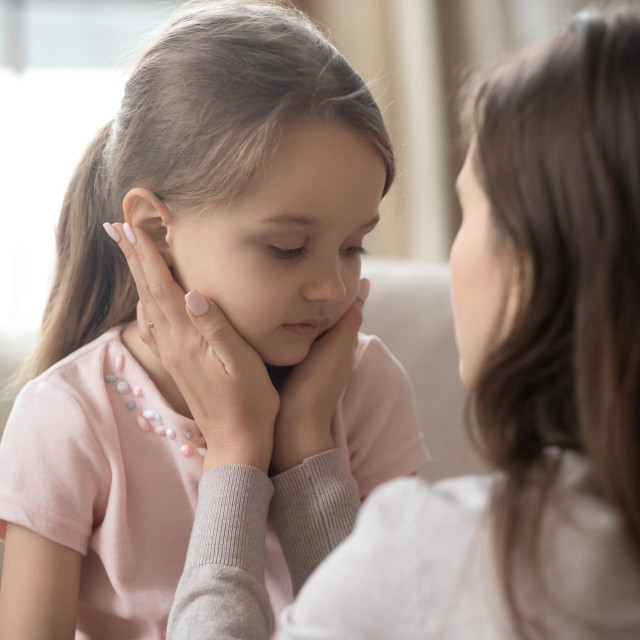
286 254
292 254
355 251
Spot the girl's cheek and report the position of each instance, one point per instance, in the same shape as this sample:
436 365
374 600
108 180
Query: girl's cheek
352 286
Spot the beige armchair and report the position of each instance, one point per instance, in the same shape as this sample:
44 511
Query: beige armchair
409 308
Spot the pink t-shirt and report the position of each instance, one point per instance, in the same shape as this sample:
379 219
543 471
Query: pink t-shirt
95 459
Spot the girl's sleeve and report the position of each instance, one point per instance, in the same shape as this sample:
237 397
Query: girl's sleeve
53 474
380 418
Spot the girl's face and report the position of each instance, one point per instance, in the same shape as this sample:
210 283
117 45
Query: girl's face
485 282
283 261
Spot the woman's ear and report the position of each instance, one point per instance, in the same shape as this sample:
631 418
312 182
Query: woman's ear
143 209
519 292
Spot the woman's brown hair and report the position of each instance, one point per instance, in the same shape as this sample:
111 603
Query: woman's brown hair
558 154
201 117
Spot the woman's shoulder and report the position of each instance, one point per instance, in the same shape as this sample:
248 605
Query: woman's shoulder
589 555
412 498
384 580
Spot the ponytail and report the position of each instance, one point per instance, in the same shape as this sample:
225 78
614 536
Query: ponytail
92 287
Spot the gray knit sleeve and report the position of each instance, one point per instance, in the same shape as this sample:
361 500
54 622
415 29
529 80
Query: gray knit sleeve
221 593
314 508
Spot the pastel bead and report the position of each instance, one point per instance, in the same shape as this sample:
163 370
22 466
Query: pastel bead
120 362
143 423
171 434
110 378
131 405
186 450
148 414
202 451
122 386
157 417
159 430
188 435
137 391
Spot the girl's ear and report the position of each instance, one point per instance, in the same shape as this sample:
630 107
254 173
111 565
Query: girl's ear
143 209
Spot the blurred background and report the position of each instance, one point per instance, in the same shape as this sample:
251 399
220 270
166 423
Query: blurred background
63 64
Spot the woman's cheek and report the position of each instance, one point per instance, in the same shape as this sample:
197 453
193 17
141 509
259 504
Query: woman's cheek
456 265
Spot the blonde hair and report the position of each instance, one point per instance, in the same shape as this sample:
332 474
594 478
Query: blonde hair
201 116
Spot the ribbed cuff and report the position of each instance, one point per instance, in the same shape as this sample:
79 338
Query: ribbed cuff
314 508
231 519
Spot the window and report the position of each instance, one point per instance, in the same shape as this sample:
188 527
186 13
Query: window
62 70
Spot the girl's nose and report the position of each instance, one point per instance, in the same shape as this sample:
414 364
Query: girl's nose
327 286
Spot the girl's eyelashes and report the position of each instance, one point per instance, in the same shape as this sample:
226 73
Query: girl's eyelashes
292 254
356 251
286 254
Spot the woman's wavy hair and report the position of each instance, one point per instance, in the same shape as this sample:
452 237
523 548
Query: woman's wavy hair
201 117
557 151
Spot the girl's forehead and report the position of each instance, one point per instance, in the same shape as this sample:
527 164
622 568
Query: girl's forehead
321 175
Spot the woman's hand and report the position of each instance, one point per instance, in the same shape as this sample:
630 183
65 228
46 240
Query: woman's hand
221 377
309 396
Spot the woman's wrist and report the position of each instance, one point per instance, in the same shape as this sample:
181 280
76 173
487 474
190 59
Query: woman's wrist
296 446
244 455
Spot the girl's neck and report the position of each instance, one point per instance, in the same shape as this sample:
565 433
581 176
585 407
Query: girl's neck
164 382
278 375
155 369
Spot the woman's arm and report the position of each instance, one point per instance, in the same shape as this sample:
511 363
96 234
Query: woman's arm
314 508
221 593
39 590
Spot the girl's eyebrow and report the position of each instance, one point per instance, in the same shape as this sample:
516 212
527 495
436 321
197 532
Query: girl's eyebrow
306 221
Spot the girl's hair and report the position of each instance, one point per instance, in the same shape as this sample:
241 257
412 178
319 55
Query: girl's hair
200 119
558 153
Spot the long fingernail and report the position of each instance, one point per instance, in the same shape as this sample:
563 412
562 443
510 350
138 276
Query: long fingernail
196 303
110 229
365 287
128 231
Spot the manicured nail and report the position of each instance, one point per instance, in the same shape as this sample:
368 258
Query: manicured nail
196 303
365 287
110 229
128 231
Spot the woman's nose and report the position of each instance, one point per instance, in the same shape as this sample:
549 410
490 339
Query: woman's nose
326 284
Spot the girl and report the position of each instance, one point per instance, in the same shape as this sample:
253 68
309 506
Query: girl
545 271
254 158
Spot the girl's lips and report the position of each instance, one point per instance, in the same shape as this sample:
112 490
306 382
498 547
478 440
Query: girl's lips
306 328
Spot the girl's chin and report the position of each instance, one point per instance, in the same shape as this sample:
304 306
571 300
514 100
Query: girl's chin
283 361
284 358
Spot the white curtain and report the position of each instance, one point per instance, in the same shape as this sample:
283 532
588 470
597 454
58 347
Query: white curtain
415 55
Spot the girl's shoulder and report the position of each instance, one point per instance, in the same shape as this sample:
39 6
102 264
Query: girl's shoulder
374 361
375 420
87 359
74 385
